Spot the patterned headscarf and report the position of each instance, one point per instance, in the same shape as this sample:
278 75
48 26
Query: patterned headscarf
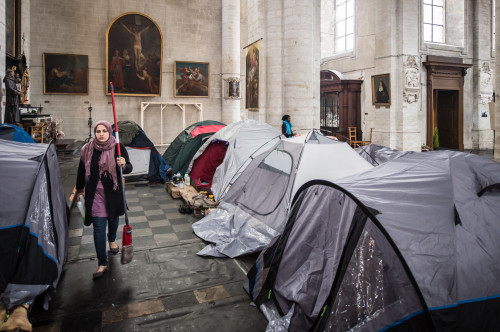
107 163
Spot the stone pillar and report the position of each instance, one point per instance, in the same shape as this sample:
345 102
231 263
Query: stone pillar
301 62
290 60
482 133
273 47
230 57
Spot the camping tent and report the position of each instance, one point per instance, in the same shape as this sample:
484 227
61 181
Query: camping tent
147 161
184 146
378 154
240 140
33 221
255 207
14 133
411 245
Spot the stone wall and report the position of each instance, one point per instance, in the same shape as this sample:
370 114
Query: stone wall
191 32
389 40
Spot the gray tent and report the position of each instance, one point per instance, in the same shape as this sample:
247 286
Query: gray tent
413 244
33 221
255 207
378 154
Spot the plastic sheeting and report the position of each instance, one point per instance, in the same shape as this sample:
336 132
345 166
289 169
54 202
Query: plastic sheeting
234 232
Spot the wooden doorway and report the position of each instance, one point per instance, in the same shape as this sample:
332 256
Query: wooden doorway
445 82
340 104
447 118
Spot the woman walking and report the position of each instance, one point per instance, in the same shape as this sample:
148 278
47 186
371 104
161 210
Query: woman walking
97 175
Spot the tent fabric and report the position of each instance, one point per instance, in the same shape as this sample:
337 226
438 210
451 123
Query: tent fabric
14 133
187 152
247 138
137 138
378 154
255 207
226 134
172 151
230 134
407 245
206 129
205 165
127 131
33 222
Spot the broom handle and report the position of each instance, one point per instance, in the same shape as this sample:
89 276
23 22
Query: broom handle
112 89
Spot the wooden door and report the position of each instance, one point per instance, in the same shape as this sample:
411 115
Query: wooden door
447 118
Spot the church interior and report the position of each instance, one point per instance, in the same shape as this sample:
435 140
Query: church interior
403 74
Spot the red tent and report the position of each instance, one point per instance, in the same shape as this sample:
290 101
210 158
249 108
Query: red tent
205 165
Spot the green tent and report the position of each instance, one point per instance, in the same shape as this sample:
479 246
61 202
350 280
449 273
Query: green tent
184 147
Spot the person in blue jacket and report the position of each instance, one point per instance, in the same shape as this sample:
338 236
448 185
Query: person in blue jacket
286 127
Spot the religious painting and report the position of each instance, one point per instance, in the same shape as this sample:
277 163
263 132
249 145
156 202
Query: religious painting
191 79
252 75
65 74
134 51
232 88
10 27
381 90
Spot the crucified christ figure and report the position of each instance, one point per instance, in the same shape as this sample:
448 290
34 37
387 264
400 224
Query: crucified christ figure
136 35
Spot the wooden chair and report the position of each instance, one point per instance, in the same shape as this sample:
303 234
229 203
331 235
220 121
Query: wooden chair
37 132
353 141
370 141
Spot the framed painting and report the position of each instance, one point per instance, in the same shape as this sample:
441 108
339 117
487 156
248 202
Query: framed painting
381 90
134 55
232 88
10 27
191 79
65 74
252 56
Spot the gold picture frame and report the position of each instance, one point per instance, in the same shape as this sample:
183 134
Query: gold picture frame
134 55
252 84
381 90
65 74
191 79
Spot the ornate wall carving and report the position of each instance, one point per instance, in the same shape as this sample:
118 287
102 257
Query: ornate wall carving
412 80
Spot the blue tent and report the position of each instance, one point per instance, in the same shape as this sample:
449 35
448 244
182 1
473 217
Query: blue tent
10 132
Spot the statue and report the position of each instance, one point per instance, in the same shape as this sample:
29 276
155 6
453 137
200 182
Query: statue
25 84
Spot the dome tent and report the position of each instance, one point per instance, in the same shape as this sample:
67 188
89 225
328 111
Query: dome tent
235 142
410 245
147 161
378 154
254 209
14 133
33 222
184 146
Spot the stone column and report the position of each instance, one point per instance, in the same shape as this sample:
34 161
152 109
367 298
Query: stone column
230 57
290 60
301 62
482 133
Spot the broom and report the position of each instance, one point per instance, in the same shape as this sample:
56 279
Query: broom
127 248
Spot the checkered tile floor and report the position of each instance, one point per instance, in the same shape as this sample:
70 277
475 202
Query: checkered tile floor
153 214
